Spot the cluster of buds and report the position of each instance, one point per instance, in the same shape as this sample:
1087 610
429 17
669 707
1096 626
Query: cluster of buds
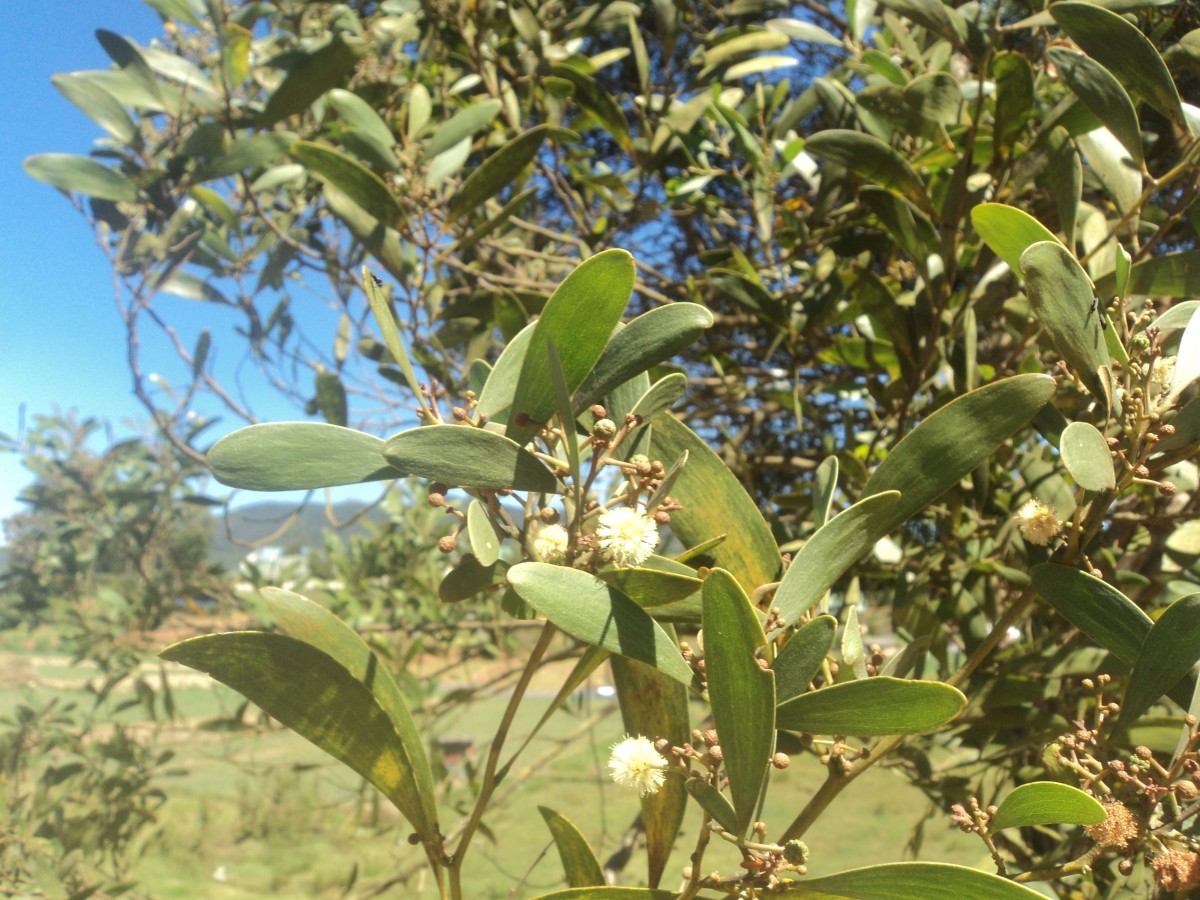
974 820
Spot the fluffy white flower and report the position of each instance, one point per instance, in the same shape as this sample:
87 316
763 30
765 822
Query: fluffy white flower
550 544
1038 522
626 536
635 764
1161 374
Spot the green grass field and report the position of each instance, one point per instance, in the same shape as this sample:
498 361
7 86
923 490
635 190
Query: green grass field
260 812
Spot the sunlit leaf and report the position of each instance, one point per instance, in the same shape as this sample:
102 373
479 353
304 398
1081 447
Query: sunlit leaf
498 171
1061 295
1102 94
1086 455
288 456
352 178
872 159
1046 803
313 74
872 707
462 455
463 124
1008 231
586 608
951 442
801 657
80 175
1168 654
97 104
741 692
909 881
714 803
832 550
580 866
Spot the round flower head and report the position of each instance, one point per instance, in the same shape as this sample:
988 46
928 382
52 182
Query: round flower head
626 536
550 544
1038 522
1162 372
635 764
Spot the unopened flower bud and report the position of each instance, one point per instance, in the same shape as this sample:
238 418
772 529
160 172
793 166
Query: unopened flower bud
604 428
1166 430
459 413
781 760
448 543
795 852
1141 472
599 412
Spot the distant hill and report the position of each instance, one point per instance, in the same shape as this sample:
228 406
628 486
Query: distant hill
256 521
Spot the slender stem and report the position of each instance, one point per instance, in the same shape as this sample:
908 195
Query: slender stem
490 781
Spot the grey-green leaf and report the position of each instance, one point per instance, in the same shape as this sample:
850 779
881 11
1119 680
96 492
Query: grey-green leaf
485 542
833 549
499 170
314 74
1102 94
1086 455
741 692
800 659
909 881
954 440
715 503
1061 295
314 695
1046 803
463 124
1167 655
310 622
579 317
1008 231
586 608
97 104
579 862
352 178
473 457
1120 47
80 175
714 803
872 707
289 456
646 341
872 159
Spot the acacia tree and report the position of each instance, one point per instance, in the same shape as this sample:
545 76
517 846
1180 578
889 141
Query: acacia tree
949 200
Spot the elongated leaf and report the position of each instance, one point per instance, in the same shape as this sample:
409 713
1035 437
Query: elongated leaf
910 881
714 803
1061 295
485 542
660 396
799 30
579 317
742 693
586 608
833 549
1112 166
1046 803
648 340
1103 95
289 456
597 102
312 694
314 74
1187 360
655 705
474 457
1096 608
359 114
579 862
1166 275
1008 231
391 334
498 171
872 707
463 124
97 104
1064 177
80 175
872 159
249 154
954 440
714 503
310 622
652 588
609 893
1044 19
352 178
331 397
501 387
1168 654
1086 456
562 400
800 659
1120 47
824 484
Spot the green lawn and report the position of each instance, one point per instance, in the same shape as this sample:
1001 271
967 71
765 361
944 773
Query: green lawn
263 813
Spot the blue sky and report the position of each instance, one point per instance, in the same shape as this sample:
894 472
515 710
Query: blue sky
61 341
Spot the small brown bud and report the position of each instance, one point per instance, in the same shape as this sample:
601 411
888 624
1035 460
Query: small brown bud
1166 488
715 754
448 543
414 839
710 737
662 745
1166 430
599 412
658 468
782 761
436 500
1186 790
1141 471
1125 867
1143 752
459 413
604 428
1113 443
